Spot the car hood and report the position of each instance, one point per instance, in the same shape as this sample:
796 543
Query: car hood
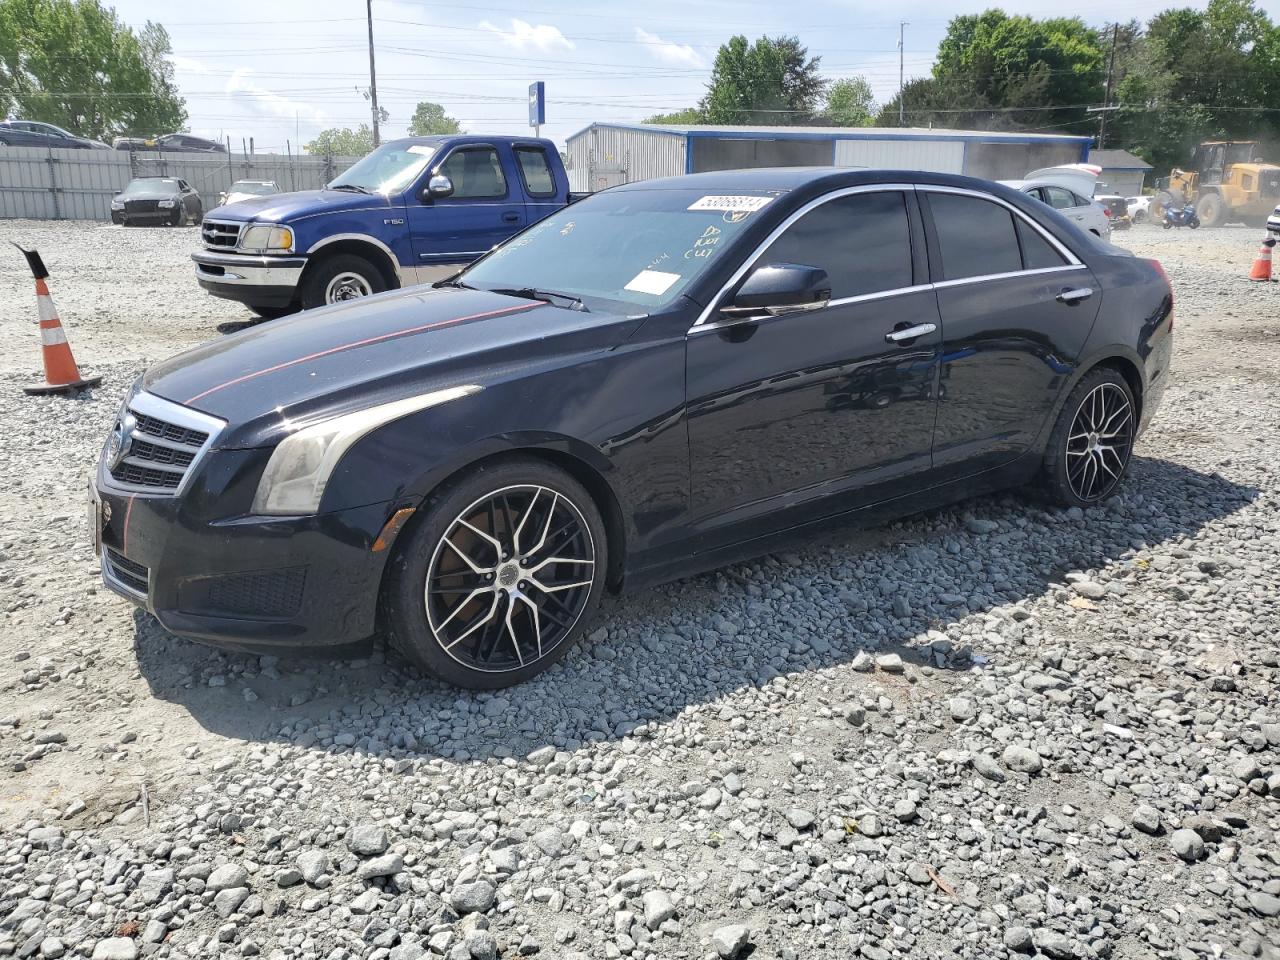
344 357
147 195
285 207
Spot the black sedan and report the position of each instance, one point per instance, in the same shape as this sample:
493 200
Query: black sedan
169 201
660 379
33 133
169 143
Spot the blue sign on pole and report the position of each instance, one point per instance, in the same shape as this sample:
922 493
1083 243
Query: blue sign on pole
537 104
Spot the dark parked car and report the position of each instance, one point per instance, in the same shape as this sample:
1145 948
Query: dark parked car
662 378
169 143
156 200
32 133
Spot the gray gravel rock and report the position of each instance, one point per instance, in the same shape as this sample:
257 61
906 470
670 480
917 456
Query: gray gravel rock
1187 844
729 941
474 897
367 839
115 948
227 876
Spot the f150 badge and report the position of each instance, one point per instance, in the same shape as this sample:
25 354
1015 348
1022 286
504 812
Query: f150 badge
394 223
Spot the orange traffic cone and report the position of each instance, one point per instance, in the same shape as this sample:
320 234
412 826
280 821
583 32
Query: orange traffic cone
61 375
1261 269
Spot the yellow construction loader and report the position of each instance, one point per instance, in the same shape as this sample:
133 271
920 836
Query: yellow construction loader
1227 181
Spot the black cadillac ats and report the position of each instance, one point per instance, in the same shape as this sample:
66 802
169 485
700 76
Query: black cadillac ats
657 380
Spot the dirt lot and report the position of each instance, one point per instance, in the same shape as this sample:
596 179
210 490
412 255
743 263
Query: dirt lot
989 731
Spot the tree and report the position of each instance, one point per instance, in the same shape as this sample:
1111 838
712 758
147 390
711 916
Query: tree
343 142
687 115
429 118
766 82
850 103
74 64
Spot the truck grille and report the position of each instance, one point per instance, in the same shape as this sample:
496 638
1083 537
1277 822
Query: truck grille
155 444
220 234
126 572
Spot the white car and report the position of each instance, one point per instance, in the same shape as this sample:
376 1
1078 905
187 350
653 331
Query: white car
1273 223
247 189
1139 208
1068 189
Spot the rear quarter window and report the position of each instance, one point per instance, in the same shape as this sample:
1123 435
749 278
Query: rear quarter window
976 237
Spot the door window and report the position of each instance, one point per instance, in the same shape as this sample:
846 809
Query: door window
476 173
975 237
863 241
1037 252
536 171
1061 198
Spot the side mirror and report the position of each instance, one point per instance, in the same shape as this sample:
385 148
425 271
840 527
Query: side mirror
438 187
779 288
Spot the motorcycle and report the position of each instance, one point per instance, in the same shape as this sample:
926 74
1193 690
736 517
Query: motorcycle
1184 216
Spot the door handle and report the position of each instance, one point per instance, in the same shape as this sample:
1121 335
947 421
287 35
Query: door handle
910 333
510 217
1076 295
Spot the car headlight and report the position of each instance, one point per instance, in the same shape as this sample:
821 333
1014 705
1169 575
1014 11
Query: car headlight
117 204
165 204
265 237
301 464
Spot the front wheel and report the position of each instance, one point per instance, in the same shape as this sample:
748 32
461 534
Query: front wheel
340 278
1210 211
496 577
1089 449
1168 225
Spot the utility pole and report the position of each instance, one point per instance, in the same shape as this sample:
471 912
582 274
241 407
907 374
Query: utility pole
902 107
373 77
1106 102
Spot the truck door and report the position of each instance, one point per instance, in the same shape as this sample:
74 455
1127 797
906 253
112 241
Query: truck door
485 208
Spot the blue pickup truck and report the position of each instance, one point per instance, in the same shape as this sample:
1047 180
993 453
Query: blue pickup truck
412 211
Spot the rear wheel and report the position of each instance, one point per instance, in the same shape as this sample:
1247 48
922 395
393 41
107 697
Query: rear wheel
340 278
1090 447
498 575
1210 211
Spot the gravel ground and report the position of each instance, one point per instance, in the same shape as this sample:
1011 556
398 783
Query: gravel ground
991 731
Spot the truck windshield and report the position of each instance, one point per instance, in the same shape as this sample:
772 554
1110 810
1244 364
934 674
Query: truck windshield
621 249
390 168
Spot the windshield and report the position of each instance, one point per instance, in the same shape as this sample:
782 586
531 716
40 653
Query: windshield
152 185
634 248
249 186
389 168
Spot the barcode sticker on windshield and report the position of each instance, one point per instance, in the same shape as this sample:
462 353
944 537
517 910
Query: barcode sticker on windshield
653 282
422 149
750 204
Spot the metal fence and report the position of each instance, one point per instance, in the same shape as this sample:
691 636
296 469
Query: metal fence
47 184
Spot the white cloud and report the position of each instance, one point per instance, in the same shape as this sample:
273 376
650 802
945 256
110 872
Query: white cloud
186 64
258 99
527 36
670 52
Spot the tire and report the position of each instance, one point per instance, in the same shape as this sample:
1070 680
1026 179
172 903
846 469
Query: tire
1210 211
272 313
1101 398
176 218
1193 223
345 276
1168 225
1139 216
459 612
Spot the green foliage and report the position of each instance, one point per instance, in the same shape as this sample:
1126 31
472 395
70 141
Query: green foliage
429 118
687 115
342 142
771 81
74 64
850 103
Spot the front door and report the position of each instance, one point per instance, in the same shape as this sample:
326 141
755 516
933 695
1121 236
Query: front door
1016 310
795 416
486 208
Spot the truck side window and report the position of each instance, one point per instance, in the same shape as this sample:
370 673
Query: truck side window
536 171
476 173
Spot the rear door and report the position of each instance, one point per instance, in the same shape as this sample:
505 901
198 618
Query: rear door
538 178
796 416
485 208
1017 307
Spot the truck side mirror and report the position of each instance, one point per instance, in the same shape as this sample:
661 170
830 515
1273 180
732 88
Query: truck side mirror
438 187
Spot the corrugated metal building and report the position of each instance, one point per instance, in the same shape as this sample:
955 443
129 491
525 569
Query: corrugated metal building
606 154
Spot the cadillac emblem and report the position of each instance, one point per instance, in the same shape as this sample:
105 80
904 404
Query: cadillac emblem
121 441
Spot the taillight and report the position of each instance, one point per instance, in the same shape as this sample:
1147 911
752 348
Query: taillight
1165 277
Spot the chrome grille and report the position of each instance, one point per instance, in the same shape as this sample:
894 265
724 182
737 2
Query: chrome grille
125 572
220 234
155 444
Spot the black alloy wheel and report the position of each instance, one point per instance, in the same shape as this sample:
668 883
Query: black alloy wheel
495 582
1092 442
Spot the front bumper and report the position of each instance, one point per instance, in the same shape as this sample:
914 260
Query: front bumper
243 582
258 280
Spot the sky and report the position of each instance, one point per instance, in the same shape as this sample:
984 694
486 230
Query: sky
282 72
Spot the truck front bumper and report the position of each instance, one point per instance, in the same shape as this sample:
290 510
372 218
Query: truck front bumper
260 281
